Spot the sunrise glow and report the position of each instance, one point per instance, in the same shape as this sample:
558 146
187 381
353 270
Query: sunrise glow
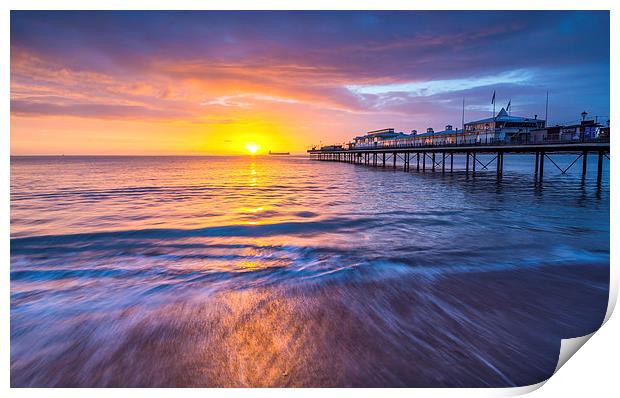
121 94
252 148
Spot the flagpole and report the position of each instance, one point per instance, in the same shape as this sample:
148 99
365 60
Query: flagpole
493 116
547 110
463 120
463 116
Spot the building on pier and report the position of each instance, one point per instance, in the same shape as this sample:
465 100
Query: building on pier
447 136
332 147
584 131
375 138
389 138
502 127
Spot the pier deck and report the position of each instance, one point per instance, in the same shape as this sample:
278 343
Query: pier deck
383 156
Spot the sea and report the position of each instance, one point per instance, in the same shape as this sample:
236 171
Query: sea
282 271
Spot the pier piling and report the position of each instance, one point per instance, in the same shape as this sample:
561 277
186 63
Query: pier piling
473 163
467 163
599 173
443 162
370 156
541 172
451 161
584 167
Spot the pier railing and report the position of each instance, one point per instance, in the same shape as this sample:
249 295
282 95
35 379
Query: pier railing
380 154
462 143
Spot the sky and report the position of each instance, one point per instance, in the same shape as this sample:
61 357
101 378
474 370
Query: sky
216 82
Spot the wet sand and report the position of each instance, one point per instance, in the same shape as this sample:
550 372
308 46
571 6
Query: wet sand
471 329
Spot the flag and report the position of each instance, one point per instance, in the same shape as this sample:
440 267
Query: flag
493 99
508 106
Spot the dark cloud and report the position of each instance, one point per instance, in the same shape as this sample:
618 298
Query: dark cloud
315 55
103 111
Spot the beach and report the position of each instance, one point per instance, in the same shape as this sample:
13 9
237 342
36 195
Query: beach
282 271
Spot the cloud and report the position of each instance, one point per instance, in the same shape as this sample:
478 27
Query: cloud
434 87
90 110
406 66
234 100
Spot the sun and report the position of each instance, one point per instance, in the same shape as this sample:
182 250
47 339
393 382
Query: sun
252 148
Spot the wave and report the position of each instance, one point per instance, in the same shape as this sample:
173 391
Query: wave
288 228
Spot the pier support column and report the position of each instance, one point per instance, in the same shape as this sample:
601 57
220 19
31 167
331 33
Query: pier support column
384 160
497 164
500 164
424 161
406 162
584 167
541 170
418 168
599 172
451 162
536 163
443 162
433 161
473 163
466 163
394 160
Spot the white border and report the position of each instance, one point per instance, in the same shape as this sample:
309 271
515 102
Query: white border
593 372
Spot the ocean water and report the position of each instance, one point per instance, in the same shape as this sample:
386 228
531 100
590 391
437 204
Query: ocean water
284 271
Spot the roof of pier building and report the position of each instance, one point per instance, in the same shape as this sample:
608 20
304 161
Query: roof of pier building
381 134
430 133
503 116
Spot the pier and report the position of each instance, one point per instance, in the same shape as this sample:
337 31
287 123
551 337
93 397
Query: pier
440 158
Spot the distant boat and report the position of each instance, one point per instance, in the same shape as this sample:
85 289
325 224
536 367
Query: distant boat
279 153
